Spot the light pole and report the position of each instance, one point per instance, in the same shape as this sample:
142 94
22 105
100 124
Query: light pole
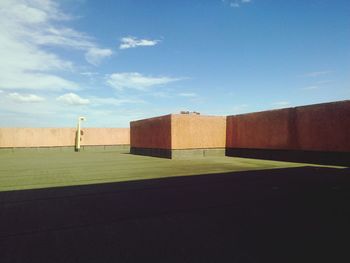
78 138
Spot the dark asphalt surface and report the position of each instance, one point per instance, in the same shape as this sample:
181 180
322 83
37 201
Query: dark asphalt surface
282 215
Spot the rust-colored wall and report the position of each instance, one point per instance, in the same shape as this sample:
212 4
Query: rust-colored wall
321 127
324 127
267 130
51 137
197 131
151 133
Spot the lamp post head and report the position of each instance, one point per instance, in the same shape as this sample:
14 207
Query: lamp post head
81 118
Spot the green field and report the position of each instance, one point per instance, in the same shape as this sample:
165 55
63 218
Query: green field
41 169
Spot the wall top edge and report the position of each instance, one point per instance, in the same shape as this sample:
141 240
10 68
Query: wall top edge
177 115
197 116
297 107
152 118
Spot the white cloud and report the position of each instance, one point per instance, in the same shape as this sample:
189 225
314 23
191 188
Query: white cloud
317 73
246 1
26 29
134 80
53 113
95 55
72 99
189 94
35 81
29 98
132 42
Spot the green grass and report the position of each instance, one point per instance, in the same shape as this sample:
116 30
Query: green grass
41 169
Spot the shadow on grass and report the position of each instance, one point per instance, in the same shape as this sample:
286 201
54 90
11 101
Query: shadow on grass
281 215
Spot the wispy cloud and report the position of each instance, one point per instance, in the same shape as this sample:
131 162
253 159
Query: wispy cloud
114 101
321 82
240 108
95 55
25 98
161 94
311 87
318 85
281 104
188 94
134 80
236 3
27 28
317 73
132 42
73 99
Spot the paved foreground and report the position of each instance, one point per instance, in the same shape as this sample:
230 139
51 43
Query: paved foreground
290 214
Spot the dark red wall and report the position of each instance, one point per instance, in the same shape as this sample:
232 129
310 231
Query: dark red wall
151 133
268 130
321 127
324 127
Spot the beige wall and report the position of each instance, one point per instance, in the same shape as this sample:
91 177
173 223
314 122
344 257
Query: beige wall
34 137
179 131
197 131
50 137
105 136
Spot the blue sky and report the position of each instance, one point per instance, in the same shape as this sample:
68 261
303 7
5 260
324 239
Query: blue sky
117 61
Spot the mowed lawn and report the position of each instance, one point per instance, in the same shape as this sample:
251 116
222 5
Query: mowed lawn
40 169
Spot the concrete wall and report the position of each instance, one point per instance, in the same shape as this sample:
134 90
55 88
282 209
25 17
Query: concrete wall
53 137
321 127
197 131
151 133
